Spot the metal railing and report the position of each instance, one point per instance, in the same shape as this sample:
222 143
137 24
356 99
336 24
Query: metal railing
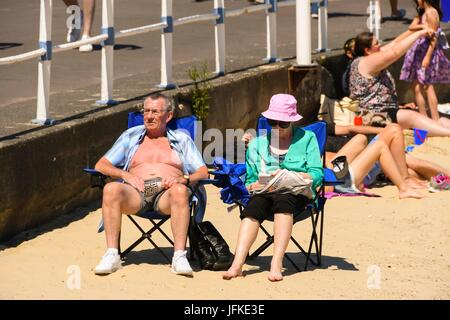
374 22
109 35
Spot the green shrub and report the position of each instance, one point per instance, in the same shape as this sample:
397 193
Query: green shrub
200 93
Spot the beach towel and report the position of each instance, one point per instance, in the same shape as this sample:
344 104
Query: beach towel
329 195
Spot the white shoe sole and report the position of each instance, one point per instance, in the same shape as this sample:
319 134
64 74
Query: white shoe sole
86 48
434 190
183 273
114 269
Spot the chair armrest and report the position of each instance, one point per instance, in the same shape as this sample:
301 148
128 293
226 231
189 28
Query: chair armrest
98 179
207 181
329 178
198 184
93 172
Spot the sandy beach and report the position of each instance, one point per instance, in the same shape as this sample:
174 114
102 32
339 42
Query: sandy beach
374 248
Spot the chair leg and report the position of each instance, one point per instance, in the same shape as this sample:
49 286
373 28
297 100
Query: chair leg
319 255
131 247
261 249
292 262
315 241
157 226
138 241
147 235
268 243
119 249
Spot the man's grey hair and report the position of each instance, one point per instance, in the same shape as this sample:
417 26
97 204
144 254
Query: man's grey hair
167 102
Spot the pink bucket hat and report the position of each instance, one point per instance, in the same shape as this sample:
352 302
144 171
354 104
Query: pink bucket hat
283 107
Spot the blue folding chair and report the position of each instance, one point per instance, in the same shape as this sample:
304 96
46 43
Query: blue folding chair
231 177
197 200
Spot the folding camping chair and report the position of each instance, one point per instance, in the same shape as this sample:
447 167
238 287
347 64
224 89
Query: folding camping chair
197 200
231 179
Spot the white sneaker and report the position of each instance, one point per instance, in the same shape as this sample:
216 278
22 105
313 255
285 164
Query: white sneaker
180 264
86 47
314 15
110 263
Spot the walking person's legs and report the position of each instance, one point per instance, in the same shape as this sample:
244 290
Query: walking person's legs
88 18
395 11
432 102
420 99
89 12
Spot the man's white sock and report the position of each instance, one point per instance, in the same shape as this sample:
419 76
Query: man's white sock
113 251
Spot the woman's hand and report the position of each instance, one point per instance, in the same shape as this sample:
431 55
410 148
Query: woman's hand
428 32
409 105
304 175
255 186
246 138
273 174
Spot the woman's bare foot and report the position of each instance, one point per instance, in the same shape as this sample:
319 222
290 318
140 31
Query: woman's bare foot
275 276
275 271
410 193
232 273
415 183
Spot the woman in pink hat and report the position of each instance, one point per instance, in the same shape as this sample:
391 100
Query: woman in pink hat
285 147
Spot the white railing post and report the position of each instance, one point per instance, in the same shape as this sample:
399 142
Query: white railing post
44 65
219 35
166 46
323 26
377 19
106 97
303 27
374 22
271 23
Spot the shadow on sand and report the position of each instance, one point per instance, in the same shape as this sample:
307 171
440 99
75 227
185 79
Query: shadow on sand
57 223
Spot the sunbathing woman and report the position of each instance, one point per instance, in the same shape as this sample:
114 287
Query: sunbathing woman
372 84
412 169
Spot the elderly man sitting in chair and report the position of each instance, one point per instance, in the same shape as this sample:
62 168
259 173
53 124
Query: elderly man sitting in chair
148 152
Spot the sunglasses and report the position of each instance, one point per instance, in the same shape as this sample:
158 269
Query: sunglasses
281 124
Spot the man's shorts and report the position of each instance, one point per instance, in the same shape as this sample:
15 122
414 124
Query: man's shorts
152 203
148 204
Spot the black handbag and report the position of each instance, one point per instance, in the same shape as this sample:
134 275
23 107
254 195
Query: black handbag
209 246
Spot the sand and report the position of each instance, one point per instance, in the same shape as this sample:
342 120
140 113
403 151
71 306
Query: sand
374 248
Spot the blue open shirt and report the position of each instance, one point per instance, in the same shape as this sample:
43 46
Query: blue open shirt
125 147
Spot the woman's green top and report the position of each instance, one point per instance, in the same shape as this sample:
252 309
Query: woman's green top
303 156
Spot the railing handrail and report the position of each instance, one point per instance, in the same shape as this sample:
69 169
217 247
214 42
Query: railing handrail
22 56
196 18
140 30
73 45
